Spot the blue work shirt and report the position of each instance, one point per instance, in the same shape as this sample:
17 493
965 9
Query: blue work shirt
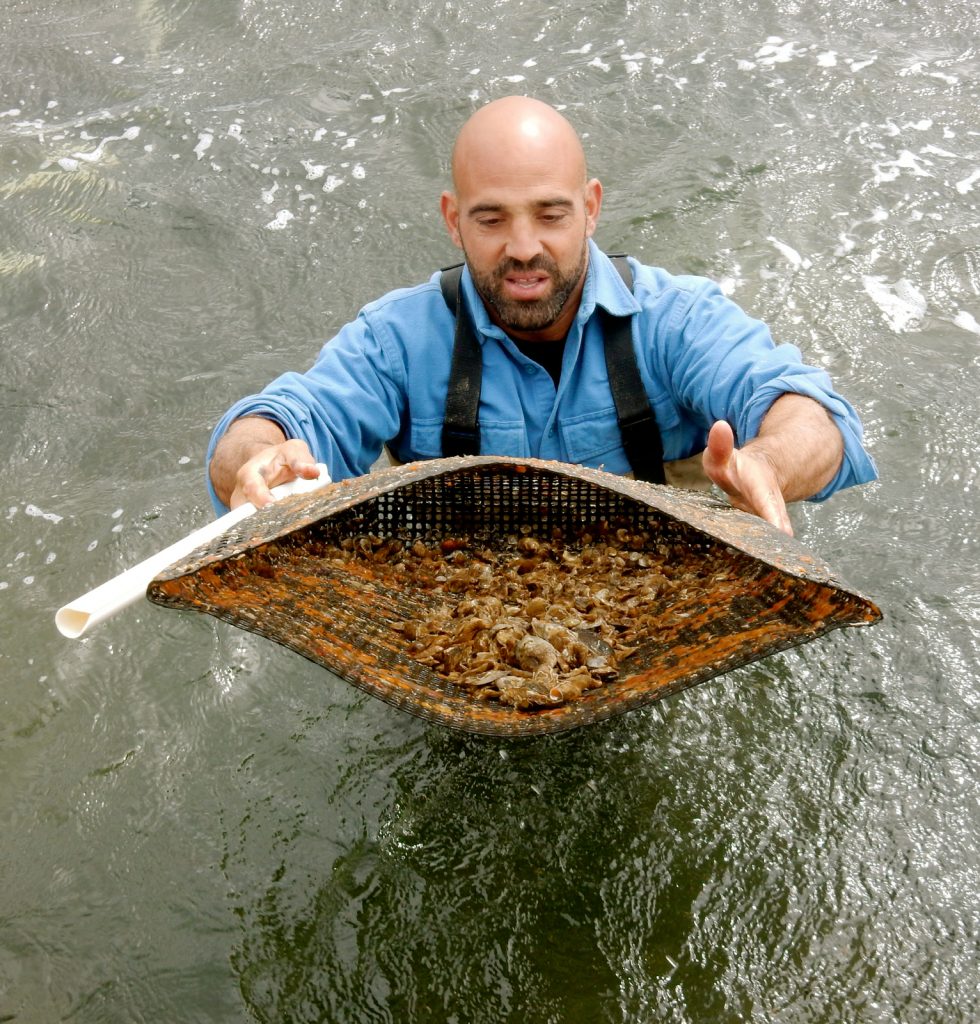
383 380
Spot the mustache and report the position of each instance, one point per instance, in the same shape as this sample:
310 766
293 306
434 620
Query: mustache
512 266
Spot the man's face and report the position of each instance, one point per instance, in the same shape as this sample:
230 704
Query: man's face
528 297
525 244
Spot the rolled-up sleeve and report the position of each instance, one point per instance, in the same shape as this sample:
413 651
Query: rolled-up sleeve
723 364
345 407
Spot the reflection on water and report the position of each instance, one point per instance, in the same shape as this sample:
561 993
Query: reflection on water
199 825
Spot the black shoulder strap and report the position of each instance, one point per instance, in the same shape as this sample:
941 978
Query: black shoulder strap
637 423
461 427
461 423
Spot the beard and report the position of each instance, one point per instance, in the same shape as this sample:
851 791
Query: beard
529 314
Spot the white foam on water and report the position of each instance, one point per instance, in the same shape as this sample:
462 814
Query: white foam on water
132 132
729 283
313 171
204 140
966 185
827 60
902 304
777 51
33 510
906 160
791 254
282 218
967 322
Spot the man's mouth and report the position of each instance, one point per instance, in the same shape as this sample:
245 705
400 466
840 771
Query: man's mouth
532 285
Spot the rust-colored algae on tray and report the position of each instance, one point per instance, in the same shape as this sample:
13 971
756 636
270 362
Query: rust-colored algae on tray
395 581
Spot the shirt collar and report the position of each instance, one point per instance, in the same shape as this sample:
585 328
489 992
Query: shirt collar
603 287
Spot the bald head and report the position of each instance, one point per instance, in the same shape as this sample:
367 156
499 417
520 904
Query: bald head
522 211
517 136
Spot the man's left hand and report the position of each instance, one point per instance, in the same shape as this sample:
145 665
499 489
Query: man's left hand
747 477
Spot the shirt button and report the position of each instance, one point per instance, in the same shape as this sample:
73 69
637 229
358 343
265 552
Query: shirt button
529 369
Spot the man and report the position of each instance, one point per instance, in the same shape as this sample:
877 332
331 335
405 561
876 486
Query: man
523 211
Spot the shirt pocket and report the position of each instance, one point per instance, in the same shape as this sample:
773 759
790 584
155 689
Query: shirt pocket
501 437
594 438
588 437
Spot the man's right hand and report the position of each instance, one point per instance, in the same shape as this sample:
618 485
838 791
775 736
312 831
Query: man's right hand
254 456
270 467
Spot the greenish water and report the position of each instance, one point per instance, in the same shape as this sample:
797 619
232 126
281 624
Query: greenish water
196 825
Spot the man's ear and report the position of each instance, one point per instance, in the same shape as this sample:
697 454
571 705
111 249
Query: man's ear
593 204
450 214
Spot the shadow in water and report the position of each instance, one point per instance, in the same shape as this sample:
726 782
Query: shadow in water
476 889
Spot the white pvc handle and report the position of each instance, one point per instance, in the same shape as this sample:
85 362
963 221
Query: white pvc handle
99 604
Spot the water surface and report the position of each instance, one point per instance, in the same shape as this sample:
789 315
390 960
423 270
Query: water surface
200 826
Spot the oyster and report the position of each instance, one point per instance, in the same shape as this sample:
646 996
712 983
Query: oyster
529 622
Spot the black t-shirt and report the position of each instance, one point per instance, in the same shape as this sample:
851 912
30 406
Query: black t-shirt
546 353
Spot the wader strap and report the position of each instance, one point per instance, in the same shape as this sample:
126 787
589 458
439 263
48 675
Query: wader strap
461 424
637 424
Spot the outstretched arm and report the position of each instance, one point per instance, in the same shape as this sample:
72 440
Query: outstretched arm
254 456
797 452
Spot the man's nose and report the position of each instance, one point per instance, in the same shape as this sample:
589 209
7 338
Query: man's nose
523 243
